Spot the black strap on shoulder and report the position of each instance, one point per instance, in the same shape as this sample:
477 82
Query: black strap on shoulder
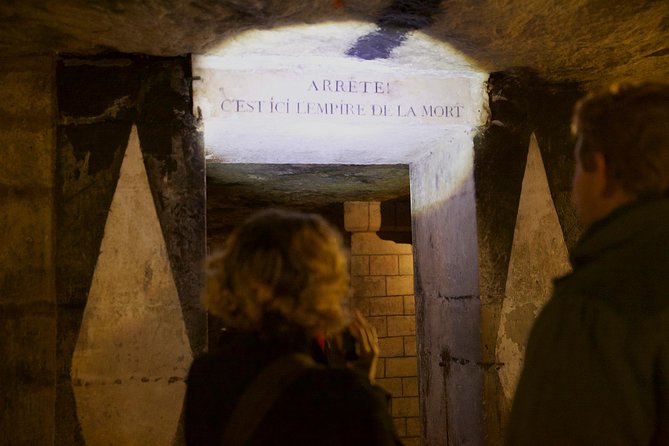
261 396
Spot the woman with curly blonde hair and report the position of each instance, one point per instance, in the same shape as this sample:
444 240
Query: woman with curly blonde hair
280 266
281 281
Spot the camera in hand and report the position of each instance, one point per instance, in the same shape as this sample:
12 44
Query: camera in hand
350 346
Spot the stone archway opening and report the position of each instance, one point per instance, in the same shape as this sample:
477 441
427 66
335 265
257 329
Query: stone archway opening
288 98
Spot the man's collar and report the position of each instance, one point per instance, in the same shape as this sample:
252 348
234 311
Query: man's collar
622 224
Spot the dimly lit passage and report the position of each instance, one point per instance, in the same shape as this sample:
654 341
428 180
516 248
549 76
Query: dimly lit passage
434 135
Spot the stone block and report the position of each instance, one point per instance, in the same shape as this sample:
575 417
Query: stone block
400 426
405 264
399 285
27 128
380 324
374 216
390 305
25 219
370 243
405 407
444 229
367 286
411 441
26 256
362 305
380 369
27 285
360 265
409 305
356 216
410 345
409 386
30 152
28 373
401 367
401 325
384 265
392 385
28 418
413 426
391 347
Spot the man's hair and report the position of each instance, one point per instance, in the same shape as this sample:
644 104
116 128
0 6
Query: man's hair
629 124
280 269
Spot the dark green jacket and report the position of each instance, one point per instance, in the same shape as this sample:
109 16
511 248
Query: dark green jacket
597 364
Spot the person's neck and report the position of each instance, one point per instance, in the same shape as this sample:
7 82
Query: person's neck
608 204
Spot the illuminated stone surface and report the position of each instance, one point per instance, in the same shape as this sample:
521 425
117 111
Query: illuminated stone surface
446 294
296 90
132 354
583 40
538 255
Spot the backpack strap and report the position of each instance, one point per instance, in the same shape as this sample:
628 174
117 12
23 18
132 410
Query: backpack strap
261 395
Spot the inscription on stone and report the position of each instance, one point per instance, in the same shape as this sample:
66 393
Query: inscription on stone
354 98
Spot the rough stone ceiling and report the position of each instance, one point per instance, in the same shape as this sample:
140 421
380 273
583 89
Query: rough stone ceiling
588 41
581 40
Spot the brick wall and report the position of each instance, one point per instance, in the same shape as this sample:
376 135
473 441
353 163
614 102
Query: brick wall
382 279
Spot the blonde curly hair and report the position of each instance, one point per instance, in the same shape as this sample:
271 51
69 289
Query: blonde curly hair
280 265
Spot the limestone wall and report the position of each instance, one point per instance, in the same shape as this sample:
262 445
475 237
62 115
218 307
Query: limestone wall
129 246
489 234
443 212
525 223
27 298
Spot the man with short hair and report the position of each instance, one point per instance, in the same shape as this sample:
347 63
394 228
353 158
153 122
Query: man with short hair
597 364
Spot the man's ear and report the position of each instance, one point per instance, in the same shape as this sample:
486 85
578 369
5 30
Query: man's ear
610 188
602 184
606 187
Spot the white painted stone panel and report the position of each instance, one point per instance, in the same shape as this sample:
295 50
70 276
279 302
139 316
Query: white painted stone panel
132 354
302 99
538 255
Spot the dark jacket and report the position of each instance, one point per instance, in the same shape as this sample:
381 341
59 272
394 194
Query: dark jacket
597 364
325 406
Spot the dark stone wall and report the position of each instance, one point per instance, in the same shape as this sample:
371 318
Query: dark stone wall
99 99
520 104
27 298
